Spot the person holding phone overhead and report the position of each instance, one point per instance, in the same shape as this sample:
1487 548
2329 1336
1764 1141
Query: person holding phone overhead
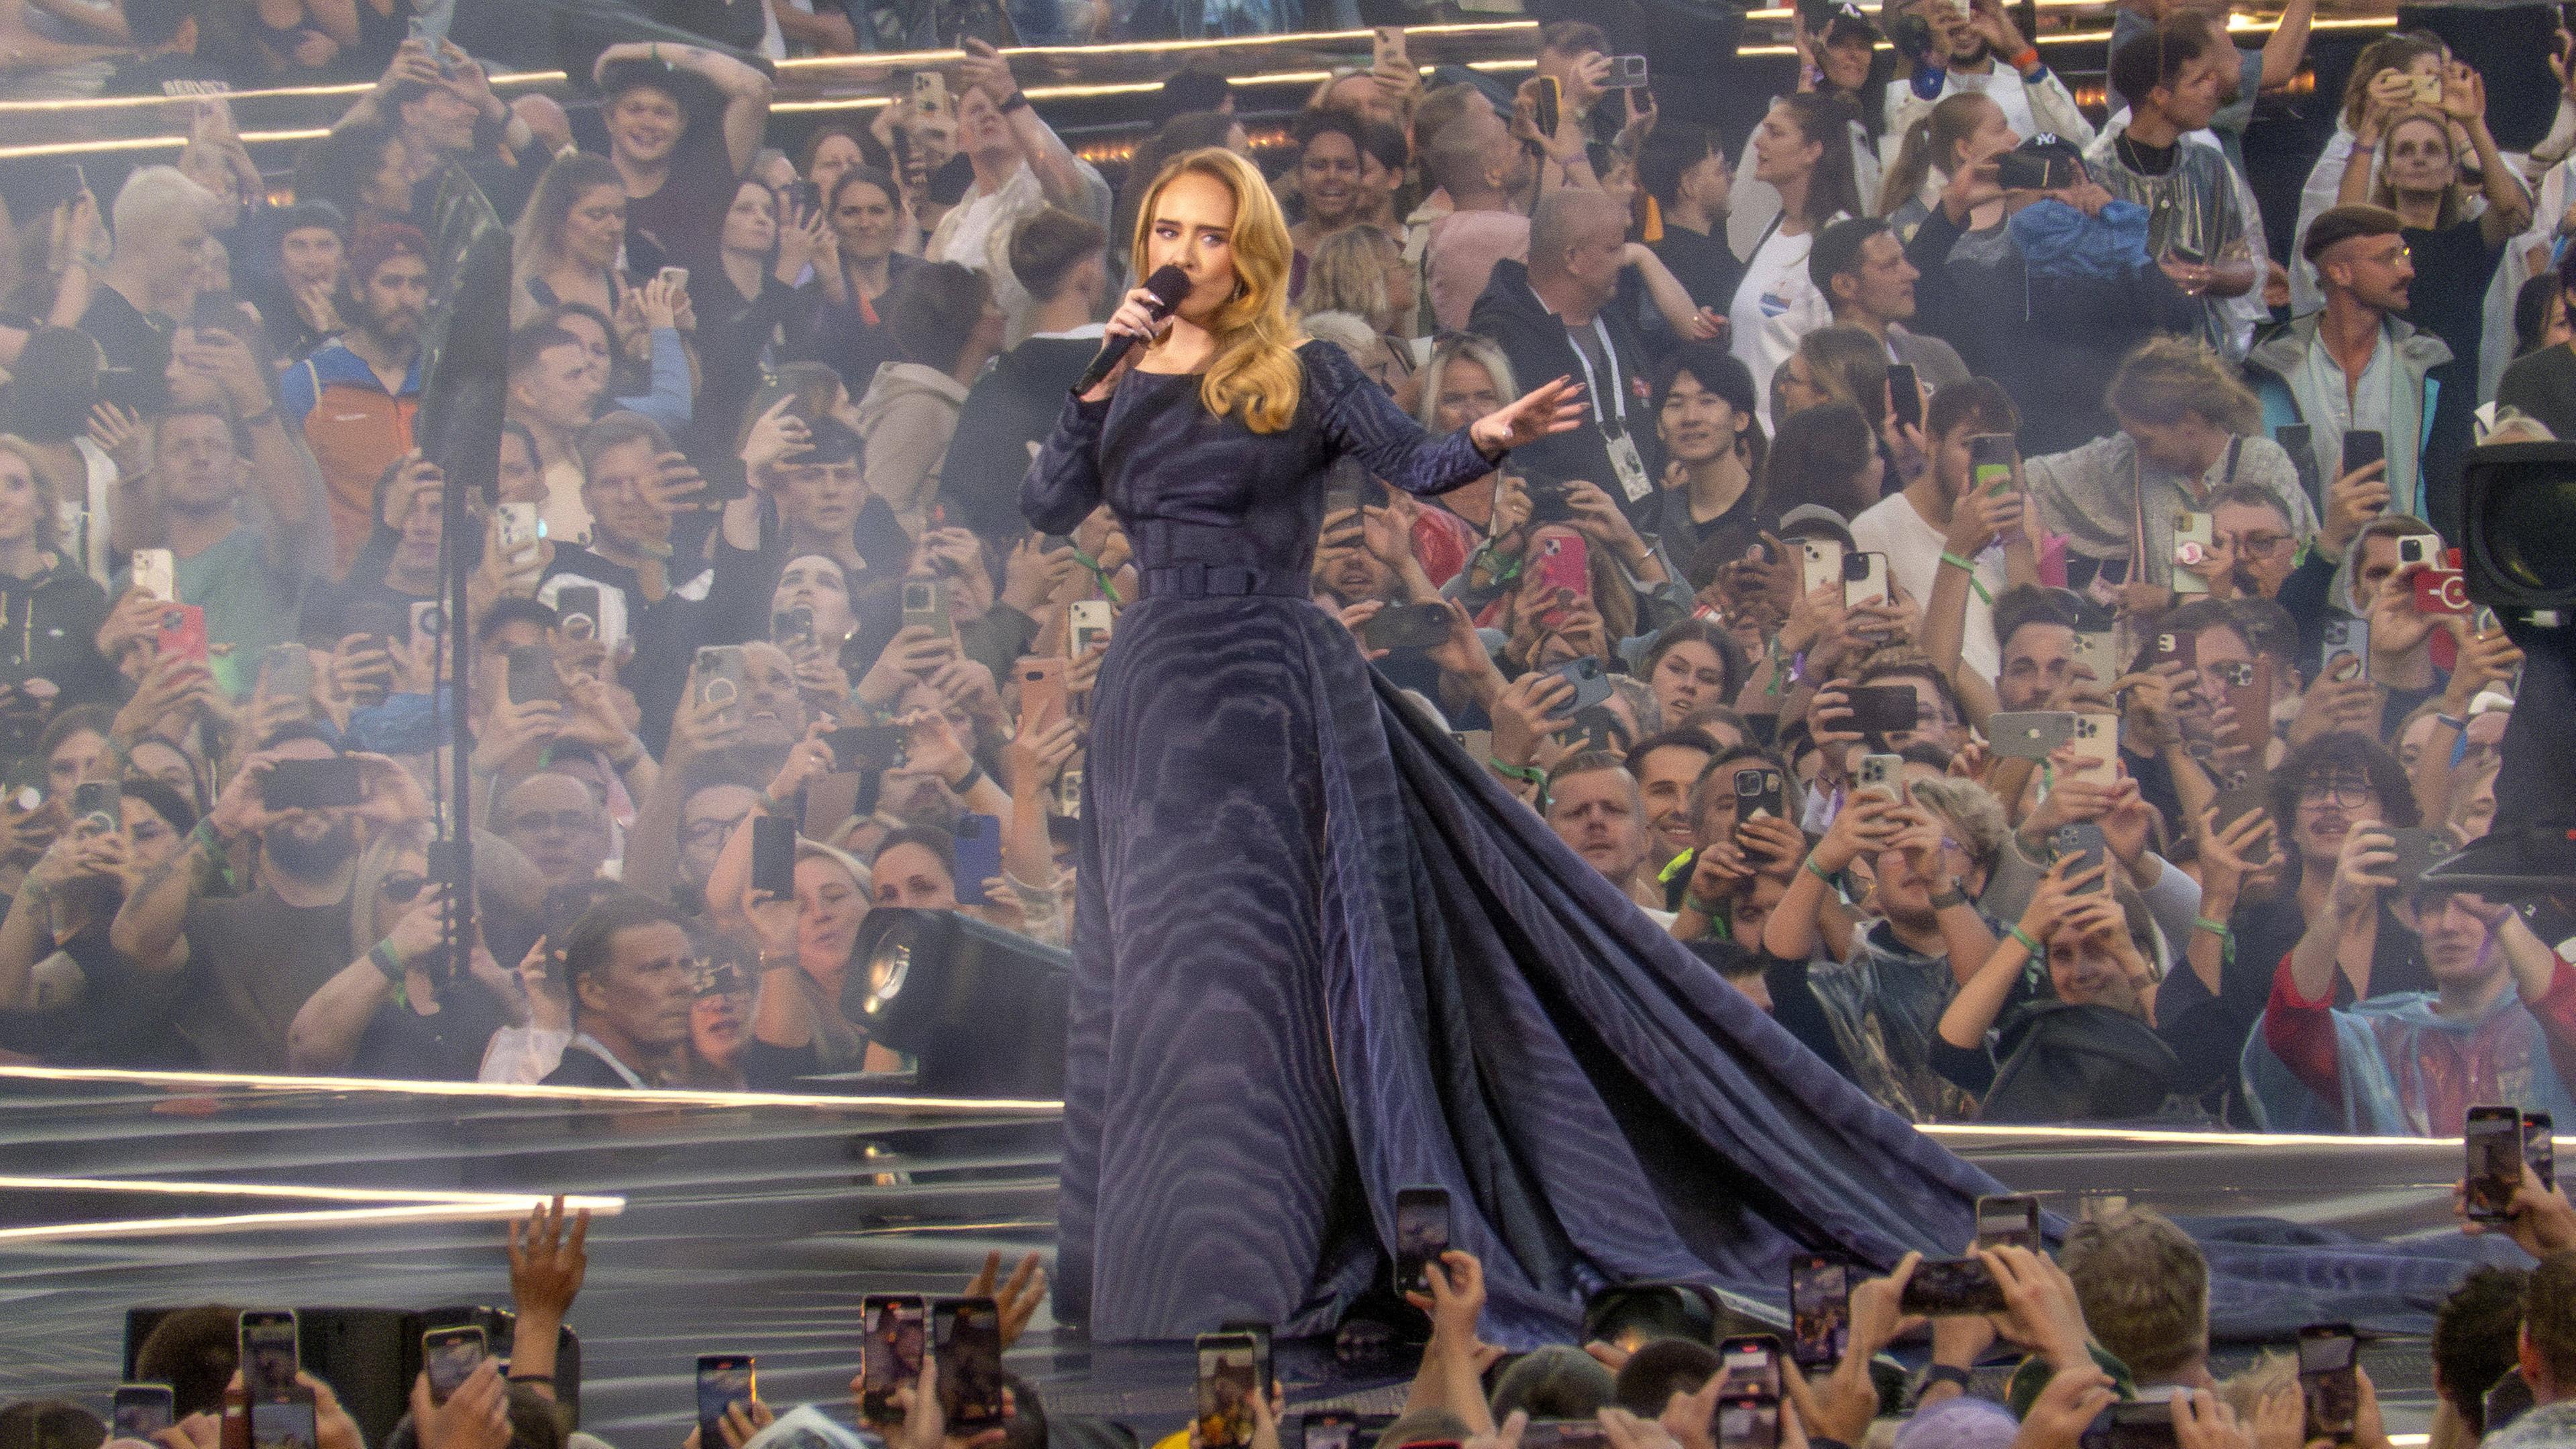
2451 255
1279 858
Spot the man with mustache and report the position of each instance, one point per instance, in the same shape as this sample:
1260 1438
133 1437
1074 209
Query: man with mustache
353 401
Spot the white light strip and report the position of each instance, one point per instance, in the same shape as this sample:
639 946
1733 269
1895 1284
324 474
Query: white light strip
915 59
454 1212
351 88
297 1192
488 1091
148 143
2176 1138
368 1207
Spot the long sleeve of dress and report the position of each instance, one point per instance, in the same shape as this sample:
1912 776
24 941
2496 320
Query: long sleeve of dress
1359 419
1062 485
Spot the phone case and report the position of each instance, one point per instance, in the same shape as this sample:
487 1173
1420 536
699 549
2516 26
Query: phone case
2097 738
1871 586
2029 735
979 857
1820 565
1042 694
156 573
2193 539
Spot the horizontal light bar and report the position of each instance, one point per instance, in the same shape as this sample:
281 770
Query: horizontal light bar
2178 1138
347 88
916 59
148 143
455 1212
299 1192
502 1092
359 1207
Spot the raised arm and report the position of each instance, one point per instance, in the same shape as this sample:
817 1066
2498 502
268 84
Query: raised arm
2508 213
1361 420
2288 47
745 90
1059 173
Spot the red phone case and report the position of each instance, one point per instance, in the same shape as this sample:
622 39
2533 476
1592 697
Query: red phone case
186 635
1569 566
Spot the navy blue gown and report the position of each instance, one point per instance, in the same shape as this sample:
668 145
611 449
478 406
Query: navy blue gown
1320 955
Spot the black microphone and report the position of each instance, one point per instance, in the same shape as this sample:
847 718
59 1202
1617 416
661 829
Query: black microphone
1169 285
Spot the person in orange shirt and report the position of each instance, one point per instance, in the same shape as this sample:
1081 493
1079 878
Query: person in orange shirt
354 399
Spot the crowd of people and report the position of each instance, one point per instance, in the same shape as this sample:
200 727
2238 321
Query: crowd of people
1993 610
2105 1338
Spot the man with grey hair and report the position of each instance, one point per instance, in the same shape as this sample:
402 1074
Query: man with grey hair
1553 319
1594 806
150 283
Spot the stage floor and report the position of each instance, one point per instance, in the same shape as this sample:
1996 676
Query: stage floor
755 1224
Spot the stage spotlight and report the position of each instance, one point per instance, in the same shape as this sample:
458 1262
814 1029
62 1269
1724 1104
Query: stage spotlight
981 1008
2518 501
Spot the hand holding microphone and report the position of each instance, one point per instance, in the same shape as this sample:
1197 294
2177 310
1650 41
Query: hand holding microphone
1138 318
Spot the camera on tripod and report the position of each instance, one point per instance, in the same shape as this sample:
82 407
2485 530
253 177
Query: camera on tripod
2518 556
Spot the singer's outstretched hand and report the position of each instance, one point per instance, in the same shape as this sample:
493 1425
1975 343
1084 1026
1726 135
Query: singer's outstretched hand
1555 407
1141 316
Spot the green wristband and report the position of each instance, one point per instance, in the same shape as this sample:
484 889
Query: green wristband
1819 871
1530 774
387 960
1975 584
2215 928
2027 944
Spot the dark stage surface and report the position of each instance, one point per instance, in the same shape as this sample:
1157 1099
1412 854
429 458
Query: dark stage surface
755 1225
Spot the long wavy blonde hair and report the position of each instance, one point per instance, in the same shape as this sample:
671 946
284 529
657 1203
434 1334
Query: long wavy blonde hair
1255 372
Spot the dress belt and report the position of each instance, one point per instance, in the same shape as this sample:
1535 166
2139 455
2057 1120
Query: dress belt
1206 580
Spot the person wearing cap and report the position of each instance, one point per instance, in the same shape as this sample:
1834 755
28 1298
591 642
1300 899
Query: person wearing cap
679 185
354 400
444 110
2050 323
1837 66
2357 363
2199 229
1860 266
1967 42
300 301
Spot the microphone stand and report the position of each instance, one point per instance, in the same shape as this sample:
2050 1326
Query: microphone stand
465 338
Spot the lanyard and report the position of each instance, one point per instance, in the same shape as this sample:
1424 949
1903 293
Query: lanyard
590 1044
1618 409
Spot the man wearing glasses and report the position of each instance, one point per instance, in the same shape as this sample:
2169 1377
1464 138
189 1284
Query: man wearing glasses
2285 899
2355 365
2253 544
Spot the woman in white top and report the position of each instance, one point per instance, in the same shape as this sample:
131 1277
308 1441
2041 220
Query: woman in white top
1800 150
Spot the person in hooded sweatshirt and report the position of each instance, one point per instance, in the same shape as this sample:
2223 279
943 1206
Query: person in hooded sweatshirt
1057 256
945 328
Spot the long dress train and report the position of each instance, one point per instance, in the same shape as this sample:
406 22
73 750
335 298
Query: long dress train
1320 956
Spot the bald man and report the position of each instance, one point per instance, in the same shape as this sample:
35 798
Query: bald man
1553 319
